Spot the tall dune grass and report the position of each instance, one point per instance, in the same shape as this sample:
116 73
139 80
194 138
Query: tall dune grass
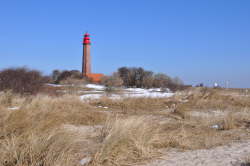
34 134
126 141
131 133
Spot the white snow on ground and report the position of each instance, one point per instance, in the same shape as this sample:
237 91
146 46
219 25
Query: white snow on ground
128 92
95 86
54 85
85 161
102 107
153 92
97 91
91 96
97 96
13 108
149 94
229 155
140 90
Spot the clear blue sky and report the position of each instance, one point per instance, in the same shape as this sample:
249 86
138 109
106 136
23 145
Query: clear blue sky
197 40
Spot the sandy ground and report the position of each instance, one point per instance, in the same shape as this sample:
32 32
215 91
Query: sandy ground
230 155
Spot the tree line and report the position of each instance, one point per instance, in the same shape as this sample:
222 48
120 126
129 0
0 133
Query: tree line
28 81
141 78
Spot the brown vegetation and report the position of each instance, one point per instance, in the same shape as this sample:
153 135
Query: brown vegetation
133 105
63 130
21 80
125 141
138 77
66 75
34 135
112 81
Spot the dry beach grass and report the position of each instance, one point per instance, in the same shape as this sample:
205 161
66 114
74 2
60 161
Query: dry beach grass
45 130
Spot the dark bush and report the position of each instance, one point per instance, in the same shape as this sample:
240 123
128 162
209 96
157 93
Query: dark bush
112 81
55 75
162 81
21 80
137 77
124 73
140 78
59 76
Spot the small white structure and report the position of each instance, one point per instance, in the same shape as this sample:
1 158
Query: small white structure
216 85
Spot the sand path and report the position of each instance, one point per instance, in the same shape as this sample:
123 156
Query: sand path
230 155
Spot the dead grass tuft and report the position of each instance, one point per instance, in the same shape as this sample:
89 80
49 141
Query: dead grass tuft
219 99
50 131
56 147
133 105
43 113
229 122
189 136
126 141
34 134
9 99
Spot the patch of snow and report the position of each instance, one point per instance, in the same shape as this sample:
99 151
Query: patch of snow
153 93
85 161
91 96
141 90
95 86
54 85
13 108
216 126
149 95
155 90
128 93
136 95
135 90
99 106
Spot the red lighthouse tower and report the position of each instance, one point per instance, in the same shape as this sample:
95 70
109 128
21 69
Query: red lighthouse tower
86 61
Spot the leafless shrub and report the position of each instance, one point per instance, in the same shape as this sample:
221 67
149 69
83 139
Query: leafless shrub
134 76
21 80
59 76
112 81
74 81
140 78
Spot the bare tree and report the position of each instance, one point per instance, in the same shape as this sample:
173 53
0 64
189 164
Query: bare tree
22 80
112 81
138 77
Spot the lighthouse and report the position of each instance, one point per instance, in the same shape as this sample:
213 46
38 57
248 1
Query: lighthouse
86 61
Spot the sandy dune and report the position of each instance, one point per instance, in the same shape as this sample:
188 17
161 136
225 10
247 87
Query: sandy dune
231 155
